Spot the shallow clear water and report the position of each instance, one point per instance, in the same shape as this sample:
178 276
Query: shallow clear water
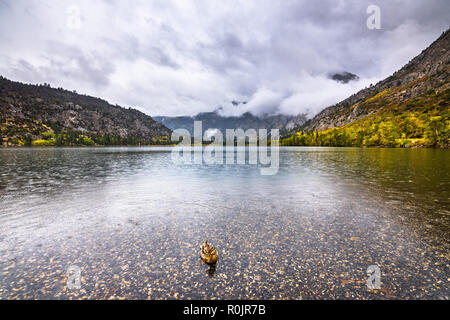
133 221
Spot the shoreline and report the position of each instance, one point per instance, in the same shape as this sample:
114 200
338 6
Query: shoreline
173 145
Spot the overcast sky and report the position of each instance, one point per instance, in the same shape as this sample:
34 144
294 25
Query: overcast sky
184 57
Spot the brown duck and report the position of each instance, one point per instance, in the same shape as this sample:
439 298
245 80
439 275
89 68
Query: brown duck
208 253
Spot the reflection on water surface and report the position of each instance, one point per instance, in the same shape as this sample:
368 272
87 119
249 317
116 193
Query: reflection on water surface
134 221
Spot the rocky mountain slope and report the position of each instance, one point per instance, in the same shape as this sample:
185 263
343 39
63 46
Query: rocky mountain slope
39 114
428 71
411 108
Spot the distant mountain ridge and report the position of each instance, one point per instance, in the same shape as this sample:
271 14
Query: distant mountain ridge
39 112
247 120
214 120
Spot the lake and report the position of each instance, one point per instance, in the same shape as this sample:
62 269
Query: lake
133 221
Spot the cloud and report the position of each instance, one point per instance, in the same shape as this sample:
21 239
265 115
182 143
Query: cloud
306 95
185 57
264 100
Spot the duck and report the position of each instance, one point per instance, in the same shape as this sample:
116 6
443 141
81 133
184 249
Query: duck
208 253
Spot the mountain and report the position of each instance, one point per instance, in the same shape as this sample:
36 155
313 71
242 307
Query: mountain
41 115
344 77
246 121
409 108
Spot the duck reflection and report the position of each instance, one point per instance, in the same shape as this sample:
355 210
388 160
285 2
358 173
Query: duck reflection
211 270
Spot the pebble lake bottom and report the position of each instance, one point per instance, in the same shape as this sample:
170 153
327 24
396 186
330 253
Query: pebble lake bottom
133 222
